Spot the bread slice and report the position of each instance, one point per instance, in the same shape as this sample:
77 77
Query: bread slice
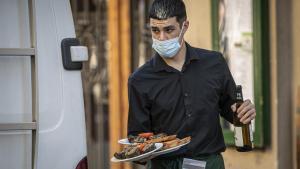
162 139
185 140
171 144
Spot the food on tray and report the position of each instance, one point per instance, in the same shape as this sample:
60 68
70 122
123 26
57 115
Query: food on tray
175 142
145 142
137 139
146 135
134 150
161 139
148 147
150 138
185 140
169 141
158 135
170 144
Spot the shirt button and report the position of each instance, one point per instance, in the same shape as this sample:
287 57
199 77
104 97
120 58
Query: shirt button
186 94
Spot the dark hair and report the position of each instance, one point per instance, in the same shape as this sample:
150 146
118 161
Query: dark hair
164 9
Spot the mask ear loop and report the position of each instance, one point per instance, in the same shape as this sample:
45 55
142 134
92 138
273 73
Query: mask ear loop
180 34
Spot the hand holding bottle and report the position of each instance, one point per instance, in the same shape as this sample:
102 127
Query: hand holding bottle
246 112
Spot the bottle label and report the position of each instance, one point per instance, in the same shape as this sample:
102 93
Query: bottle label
251 132
238 136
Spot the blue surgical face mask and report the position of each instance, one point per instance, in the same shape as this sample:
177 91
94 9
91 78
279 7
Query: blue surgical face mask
167 48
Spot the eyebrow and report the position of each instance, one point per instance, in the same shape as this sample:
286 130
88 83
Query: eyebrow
164 28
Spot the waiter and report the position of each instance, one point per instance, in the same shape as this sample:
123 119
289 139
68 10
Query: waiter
183 90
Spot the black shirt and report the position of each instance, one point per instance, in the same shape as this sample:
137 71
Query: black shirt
186 103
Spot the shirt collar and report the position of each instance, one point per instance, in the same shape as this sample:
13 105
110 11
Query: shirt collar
159 64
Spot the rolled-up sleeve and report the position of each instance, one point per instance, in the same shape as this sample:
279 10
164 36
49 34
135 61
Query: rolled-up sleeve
139 110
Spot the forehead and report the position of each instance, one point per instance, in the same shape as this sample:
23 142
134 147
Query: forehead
163 23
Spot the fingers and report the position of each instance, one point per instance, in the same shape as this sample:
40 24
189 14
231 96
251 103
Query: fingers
246 107
250 115
245 104
246 112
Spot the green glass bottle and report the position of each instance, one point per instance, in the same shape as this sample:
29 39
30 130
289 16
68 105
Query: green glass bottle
243 133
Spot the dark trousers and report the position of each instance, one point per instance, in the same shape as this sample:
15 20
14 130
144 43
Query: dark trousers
212 162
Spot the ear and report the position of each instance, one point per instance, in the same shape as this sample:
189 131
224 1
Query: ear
186 25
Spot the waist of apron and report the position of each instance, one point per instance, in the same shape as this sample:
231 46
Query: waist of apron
205 157
202 157
213 161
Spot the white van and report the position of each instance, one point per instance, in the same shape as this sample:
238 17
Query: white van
42 120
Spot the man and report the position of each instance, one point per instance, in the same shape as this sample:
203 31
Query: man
182 90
